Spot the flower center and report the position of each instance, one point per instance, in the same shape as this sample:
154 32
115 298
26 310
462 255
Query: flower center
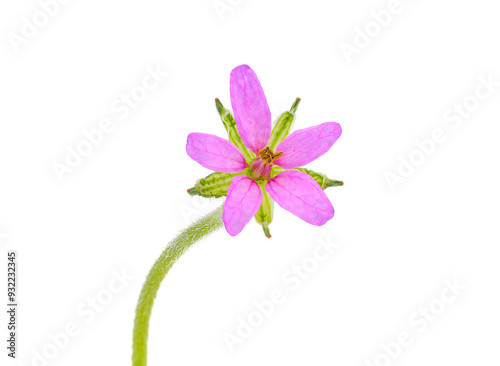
268 156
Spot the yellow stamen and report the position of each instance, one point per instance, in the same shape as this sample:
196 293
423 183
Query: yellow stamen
268 156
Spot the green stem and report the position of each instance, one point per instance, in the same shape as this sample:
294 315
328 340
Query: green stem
172 252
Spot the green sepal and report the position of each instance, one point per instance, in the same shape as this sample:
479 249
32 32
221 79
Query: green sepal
232 131
213 186
323 181
264 215
283 126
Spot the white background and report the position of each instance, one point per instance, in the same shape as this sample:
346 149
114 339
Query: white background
120 206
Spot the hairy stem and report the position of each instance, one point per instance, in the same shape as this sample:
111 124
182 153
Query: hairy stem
172 252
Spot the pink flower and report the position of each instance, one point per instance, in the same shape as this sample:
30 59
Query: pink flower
263 167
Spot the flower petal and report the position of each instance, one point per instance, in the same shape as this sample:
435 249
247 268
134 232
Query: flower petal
215 153
251 112
300 194
242 203
308 144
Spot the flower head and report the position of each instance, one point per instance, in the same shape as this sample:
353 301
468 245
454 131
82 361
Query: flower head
258 166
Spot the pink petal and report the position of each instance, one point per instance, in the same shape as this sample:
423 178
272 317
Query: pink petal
242 203
304 146
251 112
300 194
215 153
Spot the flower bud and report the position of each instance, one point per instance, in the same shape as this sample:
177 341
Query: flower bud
323 181
232 131
213 186
266 210
283 125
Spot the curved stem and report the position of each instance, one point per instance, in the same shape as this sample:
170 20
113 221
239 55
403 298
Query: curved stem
172 252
